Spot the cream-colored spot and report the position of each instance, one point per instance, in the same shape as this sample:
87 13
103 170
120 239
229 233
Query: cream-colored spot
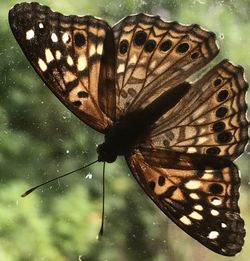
152 65
92 50
223 225
207 176
99 49
81 63
201 120
30 34
42 65
41 26
202 140
198 207
193 184
65 38
54 38
214 212
213 235
58 55
191 150
133 59
196 215
49 56
194 196
121 68
216 202
69 77
185 220
70 60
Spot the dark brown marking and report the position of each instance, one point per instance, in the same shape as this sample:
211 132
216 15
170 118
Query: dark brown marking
79 40
149 46
224 137
219 126
182 48
221 112
123 48
168 193
161 180
77 103
213 151
215 188
195 55
82 94
140 38
151 185
217 82
132 92
166 45
124 94
222 95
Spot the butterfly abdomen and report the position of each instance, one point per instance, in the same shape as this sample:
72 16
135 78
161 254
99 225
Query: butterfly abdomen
132 129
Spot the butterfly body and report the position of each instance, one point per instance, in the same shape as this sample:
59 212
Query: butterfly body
131 82
133 128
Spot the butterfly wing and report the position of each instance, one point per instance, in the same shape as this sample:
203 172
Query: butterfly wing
73 55
198 192
211 118
154 56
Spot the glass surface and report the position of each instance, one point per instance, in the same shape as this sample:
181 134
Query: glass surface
40 139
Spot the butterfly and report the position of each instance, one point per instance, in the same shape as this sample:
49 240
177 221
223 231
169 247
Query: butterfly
137 83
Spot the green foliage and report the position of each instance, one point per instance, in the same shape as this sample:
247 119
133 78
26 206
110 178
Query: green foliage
40 138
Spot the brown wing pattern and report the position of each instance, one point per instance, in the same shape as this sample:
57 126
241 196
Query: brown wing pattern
154 55
198 192
73 55
211 119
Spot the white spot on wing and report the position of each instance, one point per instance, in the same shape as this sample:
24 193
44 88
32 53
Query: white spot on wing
65 37
92 50
196 215
70 60
99 49
49 56
216 202
121 68
191 150
30 34
198 207
213 235
194 196
54 38
81 63
41 26
58 55
185 220
193 184
214 212
42 65
223 225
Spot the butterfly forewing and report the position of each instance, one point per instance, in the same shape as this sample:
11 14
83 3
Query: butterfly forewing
198 192
153 56
73 55
211 119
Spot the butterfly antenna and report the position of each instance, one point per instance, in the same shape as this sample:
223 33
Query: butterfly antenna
100 234
46 182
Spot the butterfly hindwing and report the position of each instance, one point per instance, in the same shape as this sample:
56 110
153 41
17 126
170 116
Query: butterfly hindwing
73 55
211 118
198 192
153 56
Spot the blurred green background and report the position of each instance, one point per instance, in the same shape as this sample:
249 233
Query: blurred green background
40 138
